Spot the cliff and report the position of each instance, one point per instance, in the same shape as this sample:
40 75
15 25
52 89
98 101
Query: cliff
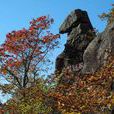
85 51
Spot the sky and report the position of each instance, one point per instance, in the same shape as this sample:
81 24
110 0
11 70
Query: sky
16 14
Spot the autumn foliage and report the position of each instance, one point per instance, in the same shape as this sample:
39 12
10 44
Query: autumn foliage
70 93
109 17
86 93
25 50
22 57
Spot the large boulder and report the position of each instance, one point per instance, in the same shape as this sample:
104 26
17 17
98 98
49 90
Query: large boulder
80 33
98 51
73 19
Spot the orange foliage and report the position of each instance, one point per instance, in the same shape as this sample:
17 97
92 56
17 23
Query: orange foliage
24 50
88 93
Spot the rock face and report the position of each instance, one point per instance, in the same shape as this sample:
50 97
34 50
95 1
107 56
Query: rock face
97 52
74 19
80 33
82 45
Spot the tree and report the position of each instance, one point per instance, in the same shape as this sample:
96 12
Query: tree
35 101
25 50
109 17
23 56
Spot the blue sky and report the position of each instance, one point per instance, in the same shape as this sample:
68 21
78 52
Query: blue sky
16 14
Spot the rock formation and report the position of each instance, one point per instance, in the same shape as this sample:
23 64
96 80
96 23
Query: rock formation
80 33
98 51
84 46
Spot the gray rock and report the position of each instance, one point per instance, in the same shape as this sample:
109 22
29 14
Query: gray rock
98 51
80 33
73 19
